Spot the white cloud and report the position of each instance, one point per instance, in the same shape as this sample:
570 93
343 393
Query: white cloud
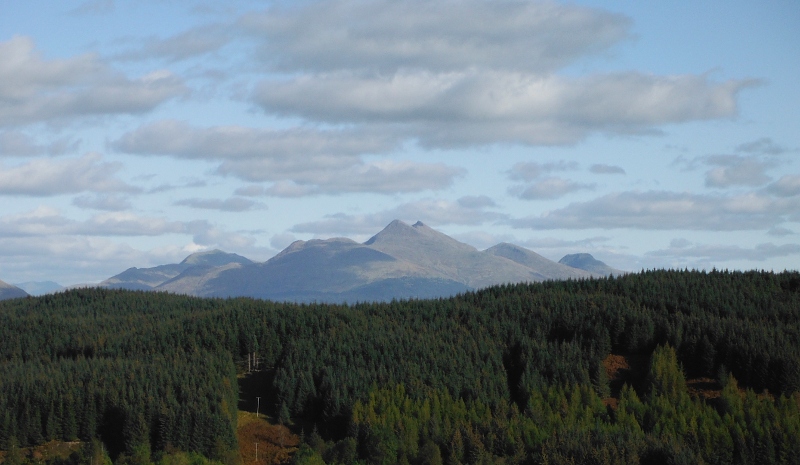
531 170
321 175
253 190
780 231
102 201
300 161
47 221
193 42
462 73
556 243
786 186
94 7
679 243
281 241
44 177
211 236
606 169
735 170
430 211
549 188
483 107
476 201
128 224
71 260
289 189
33 89
765 145
233 204
662 210
181 140
721 253
449 35
20 144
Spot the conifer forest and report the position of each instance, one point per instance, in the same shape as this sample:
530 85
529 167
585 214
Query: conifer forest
657 367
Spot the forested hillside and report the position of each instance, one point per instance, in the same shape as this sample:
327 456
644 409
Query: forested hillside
509 374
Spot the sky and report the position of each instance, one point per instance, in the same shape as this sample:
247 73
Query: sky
649 134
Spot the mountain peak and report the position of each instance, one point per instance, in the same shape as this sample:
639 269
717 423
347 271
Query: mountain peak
583 259
396 228
214 257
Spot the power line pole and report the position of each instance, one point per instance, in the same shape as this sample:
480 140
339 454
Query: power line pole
258 405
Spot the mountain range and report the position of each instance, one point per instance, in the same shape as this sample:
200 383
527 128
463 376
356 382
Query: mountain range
401 261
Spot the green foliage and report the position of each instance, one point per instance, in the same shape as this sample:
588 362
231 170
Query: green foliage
185 458
509 374
307 456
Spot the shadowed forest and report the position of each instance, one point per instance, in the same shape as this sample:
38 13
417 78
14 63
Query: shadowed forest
660 367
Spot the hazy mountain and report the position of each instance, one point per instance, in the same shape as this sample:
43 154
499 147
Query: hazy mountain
547 269
401 261
9 291
321 270
442 256
149 278
585 261
37 288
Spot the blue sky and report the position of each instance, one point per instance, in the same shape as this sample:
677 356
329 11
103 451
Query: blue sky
649 134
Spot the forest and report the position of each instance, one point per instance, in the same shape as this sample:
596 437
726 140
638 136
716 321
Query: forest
656 367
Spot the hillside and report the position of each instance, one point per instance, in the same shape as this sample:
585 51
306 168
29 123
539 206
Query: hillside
654 367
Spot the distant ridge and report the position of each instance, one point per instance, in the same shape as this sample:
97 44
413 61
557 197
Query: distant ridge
37 288
401 261
146 279
548 269
9 291
585 261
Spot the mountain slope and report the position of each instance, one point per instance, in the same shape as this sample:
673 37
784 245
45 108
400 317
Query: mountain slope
585 261
444 255
8 291
547 269
145 279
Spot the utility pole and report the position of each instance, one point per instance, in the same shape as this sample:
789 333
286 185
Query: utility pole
258 405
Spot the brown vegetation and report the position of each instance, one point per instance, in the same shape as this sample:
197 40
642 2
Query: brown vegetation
47 451
704 388
276 443
622 369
